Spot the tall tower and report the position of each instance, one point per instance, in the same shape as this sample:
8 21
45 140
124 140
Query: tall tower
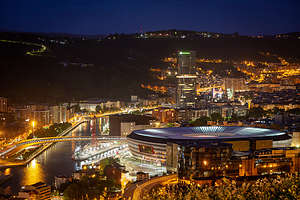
186 79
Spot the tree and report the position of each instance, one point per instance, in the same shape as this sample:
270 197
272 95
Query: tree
90 188
202 121
295 111
98 109
256 113
74 191
277 110
170 125
234 117
216 117
77 108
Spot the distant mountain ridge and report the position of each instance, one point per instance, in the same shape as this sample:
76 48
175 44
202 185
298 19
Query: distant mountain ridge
77 35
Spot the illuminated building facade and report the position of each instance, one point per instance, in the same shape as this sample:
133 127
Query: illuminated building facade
214 160
164 115
41 116
186 79
3 104
38 190
160 145
206 160
58 114
123 125
209 152
232 85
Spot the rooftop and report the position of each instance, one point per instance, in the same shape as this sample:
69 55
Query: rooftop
205 133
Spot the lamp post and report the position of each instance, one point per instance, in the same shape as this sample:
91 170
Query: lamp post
33 124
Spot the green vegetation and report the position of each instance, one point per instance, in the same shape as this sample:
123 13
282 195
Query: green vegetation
109 161
171 125
52 131
104 109
235 117
98 109
23 155
202 121
89 188
295 111
28 152
216 117
274 188
137 112
256 113
95 185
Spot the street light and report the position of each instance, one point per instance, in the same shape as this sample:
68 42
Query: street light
33 124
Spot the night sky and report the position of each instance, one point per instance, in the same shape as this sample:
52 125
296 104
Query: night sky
248 17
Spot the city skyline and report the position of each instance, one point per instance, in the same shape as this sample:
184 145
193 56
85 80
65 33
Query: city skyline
104 17
149 99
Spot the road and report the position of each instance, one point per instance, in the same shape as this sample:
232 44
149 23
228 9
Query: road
129 190
15 148
136 191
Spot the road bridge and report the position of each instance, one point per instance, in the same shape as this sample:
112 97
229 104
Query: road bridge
35 141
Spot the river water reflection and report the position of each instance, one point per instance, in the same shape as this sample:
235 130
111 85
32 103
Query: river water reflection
55 161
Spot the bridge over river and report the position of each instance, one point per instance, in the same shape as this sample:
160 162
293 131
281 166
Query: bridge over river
35 141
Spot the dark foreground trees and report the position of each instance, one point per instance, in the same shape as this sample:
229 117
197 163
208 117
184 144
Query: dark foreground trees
89 188
268 188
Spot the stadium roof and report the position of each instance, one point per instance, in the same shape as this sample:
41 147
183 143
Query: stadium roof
206 133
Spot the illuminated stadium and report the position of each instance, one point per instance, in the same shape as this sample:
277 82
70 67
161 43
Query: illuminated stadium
152 144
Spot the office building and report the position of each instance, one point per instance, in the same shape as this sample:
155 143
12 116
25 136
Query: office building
186 79
23 112
42 117
232 85
123 125
164 115
58 114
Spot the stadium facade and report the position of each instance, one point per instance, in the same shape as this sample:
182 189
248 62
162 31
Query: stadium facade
205 151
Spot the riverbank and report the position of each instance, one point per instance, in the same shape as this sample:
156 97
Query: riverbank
5 163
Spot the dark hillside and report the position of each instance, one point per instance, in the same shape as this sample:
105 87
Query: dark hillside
75 68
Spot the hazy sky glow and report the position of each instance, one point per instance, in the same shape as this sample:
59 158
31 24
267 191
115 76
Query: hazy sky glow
129 16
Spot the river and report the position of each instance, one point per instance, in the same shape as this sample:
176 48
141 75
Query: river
56 160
